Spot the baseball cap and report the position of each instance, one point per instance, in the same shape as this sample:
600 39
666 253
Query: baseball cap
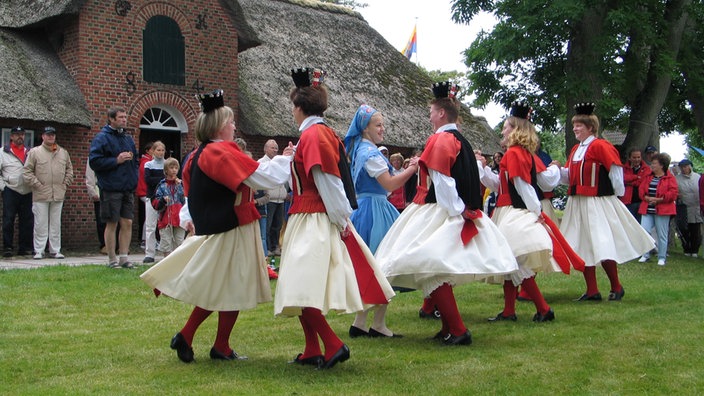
685 162
49 129
17 129
650 149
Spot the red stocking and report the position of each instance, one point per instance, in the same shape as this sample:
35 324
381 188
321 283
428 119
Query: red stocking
590 278
533 291
317 322
198 316
444 299
312 343
611 269
428 306
226 321
509 298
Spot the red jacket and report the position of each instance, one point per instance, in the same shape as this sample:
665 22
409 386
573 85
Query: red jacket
667 189
141 182
632 180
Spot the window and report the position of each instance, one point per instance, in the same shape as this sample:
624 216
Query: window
163 52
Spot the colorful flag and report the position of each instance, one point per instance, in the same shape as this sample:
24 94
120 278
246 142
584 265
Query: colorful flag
411 46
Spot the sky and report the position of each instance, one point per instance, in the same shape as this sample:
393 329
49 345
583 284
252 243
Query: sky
440 43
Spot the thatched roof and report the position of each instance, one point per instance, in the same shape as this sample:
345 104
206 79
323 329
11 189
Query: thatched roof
24 13
362 67
35 84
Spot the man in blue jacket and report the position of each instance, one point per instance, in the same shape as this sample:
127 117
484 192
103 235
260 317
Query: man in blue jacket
113 156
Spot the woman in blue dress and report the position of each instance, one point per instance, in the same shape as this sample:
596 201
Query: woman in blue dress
372 177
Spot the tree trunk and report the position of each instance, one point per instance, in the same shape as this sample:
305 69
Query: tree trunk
582 69
643 127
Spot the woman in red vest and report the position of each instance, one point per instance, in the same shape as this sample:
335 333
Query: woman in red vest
596 223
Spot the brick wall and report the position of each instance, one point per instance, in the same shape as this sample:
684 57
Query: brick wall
103 51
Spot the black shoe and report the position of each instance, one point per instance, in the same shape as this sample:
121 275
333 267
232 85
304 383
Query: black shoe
500 317
183 350
438 336
316 361
340 356
217 355
7 253
593 297
23 253
433 315
464 339
550 315
374 334
148 260
357 332
617 296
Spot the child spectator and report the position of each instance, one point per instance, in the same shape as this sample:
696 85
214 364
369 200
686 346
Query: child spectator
168 200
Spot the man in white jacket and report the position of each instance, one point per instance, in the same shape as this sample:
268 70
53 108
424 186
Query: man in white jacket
16 195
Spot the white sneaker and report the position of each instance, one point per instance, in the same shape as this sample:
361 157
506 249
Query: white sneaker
38 256
688 254
661 262
643 258
58 256
694 255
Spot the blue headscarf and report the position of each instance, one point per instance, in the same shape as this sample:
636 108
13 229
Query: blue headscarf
354 133
359 123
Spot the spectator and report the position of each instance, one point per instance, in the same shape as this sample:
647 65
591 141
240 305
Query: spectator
397 197
633 175
141 191
113 157
94 194
275 208
153 174
384 151
650 151
688 184
16 195
658 193
168 201
49 172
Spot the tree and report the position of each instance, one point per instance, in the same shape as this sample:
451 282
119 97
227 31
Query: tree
624 55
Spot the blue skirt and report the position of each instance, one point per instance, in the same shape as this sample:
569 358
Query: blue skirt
373 218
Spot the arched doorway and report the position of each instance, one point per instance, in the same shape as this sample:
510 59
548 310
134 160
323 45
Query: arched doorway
164 123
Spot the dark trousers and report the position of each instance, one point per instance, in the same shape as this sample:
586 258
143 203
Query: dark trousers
693 238
633 208
274 223
99 224
17 205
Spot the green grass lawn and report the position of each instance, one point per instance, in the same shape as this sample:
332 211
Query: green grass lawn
92 330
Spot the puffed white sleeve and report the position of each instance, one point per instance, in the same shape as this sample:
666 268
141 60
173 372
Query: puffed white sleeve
446 193
332 192
616 176
270 174
549 178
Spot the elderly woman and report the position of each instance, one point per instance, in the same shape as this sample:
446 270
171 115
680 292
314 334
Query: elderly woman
688 183
658 193
323 258
596 223
218 180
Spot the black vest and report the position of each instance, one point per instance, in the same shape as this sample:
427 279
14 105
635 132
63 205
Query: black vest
211 204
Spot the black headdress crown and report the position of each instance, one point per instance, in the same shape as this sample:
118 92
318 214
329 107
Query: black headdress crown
585 108
445 89
521 110
211 101
308 76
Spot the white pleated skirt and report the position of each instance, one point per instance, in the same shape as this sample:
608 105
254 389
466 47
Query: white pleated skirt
423 250
602 228
316 271
220 272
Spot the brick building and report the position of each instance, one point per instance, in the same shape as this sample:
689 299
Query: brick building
65 62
